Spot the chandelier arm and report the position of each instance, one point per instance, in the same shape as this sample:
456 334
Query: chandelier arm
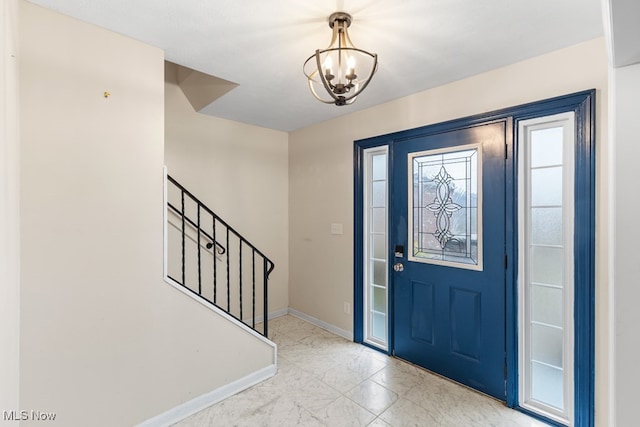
326 84
334 35
341 47
323 78
366 82
348 41
315 95
312 74
315 71
311 81
339 84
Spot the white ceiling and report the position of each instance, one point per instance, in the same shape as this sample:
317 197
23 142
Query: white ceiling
261 45
623 31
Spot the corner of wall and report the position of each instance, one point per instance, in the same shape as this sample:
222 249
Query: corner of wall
9 210
99 328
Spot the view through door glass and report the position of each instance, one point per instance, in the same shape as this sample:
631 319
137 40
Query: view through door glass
449 281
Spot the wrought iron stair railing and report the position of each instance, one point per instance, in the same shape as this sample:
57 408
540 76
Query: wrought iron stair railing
213 261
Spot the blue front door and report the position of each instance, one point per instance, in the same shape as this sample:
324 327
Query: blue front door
448 246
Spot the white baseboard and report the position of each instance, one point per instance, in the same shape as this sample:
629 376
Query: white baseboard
322 324
201 402
278 313
272 315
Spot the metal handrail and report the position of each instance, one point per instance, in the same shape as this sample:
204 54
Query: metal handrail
220 220
222 249
219 248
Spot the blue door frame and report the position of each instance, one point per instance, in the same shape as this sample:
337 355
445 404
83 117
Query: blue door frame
583 104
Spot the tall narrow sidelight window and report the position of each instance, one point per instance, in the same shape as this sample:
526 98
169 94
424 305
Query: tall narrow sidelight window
375 247
546 265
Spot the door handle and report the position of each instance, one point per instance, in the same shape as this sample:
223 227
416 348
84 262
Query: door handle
398 267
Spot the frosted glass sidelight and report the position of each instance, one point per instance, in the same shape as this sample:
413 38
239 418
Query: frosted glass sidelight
547 385
379 167
546 186
379 273
379 246
545 268
546 226
378 220
379 328
375 244
546 147
379 299
379 196
547 265
546 305
546 345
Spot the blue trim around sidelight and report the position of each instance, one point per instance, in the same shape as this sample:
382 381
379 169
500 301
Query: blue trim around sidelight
358 239
358 243
584 107
511 251
585 226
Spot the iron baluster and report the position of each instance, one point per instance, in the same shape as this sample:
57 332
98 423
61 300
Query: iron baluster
215 270
184 282
240 276
199 257
264 300
228 277
253 289
195 224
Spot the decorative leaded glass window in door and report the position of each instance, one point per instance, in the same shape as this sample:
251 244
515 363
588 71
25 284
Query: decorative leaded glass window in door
445 220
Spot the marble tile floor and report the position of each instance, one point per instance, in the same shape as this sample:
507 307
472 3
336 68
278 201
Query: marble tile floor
326 380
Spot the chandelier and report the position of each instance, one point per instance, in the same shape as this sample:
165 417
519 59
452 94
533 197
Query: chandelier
336 69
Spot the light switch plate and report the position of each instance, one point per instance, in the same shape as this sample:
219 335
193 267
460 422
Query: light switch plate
336 228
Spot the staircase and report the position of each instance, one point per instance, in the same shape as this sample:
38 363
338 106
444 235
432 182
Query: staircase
210 259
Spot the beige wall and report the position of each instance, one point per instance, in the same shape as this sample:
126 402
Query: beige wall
239 171
99 328
321 175
9 210
626 236
105 342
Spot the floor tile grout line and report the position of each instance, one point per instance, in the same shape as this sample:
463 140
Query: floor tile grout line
306 337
